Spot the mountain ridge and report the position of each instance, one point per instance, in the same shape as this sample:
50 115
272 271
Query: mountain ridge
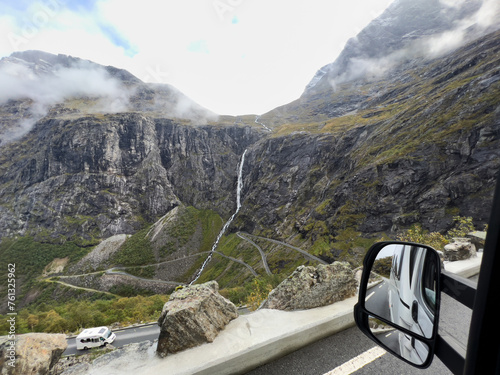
329 173
38 84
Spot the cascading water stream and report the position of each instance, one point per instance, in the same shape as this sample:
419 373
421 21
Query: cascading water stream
260 123
224 228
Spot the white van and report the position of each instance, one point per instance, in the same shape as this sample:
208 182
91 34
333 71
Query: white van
94 337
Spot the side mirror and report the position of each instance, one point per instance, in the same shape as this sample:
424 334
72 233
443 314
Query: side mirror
399 299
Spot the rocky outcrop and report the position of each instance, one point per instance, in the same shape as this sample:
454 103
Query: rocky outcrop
35 354
309 287
100 255
98 176
87 363
193 315
382 171
459 249
477 238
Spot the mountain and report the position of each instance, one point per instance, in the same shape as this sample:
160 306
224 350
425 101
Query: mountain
407 31
354 159
38 84
402 24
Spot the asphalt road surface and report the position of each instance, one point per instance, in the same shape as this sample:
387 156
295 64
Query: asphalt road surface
349 351
332 354
123 337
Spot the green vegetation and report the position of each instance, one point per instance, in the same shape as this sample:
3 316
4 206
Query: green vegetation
260 289
136 251
227 272
252 293
418 235
191 224
383 267
462 226
31 257
72 316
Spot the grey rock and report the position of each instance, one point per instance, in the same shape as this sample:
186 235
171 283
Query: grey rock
309 287
35 353
403 22
477 238
83 364
460 249
193 315
101 176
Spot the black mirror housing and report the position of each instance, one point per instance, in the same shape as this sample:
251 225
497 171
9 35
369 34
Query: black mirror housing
399 300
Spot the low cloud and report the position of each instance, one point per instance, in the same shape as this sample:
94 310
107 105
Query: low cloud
20 82
47 88
483 21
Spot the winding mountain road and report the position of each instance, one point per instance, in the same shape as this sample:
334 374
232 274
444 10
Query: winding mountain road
262 253
238 261
303 252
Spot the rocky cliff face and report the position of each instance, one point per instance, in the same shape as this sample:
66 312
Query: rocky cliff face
31 353
104 175
421 146
406 32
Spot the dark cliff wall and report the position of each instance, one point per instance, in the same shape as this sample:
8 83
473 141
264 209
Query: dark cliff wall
317 185
103 175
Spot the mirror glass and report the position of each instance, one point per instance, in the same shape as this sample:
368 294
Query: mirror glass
403 287
406 346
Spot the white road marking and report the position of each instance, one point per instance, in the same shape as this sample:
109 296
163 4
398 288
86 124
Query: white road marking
371 294
358 362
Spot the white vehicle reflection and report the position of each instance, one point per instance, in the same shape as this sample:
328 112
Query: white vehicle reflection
410 348
406 296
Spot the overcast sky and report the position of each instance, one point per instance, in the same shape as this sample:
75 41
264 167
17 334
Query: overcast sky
231 56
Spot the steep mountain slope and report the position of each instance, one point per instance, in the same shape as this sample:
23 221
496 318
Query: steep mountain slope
397 29
97 176
406 31
422 147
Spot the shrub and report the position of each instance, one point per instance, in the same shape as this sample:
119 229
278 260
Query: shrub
417 234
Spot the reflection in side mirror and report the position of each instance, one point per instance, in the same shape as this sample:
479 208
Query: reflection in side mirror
400 290
405 288
398 342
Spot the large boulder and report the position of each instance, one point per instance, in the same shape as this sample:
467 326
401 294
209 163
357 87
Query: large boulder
308 287
460 249
32 354
477 238
192 316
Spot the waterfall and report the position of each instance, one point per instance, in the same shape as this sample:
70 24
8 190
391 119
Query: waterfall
239 186
260 123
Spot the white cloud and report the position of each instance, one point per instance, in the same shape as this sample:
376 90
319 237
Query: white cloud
445 42
19 82
453 3
46 90
489 14
259 54
429 47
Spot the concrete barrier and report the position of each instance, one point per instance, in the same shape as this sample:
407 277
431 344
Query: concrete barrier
259 337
